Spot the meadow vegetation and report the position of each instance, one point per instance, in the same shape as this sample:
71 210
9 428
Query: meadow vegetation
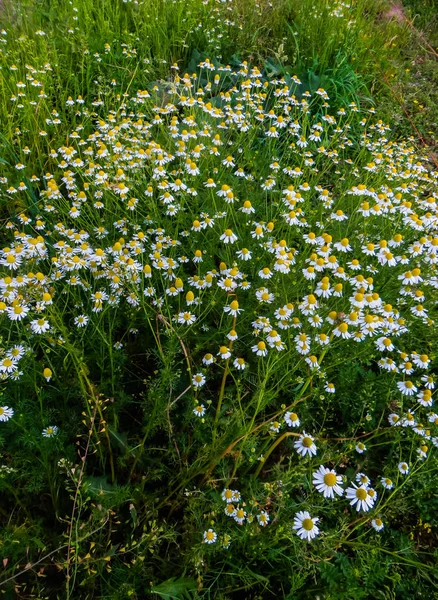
218 299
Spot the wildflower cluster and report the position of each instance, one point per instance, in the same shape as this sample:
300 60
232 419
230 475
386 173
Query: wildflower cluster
270 235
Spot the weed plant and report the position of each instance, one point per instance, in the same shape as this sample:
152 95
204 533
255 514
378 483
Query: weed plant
217 314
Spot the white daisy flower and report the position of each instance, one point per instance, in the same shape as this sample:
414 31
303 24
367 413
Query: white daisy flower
198 380
199 410
50 431
210 536
292 419
6 413
239 516
263 518
228 237
387 483
224 352
407 388
227 495
403 468
305 445
363 479
81 320
360 447
260 349
208 359
186 318
39 326
377 524
327 482
8 365
305 526
360 497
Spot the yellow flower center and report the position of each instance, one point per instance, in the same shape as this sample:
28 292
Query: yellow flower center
307 442
330 479
361 494
307 524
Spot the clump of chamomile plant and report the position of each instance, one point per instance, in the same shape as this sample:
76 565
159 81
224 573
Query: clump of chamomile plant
239 283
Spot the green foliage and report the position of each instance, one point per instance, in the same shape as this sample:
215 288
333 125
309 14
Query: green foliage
115 460
175 589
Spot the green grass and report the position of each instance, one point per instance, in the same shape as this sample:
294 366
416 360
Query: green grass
123 436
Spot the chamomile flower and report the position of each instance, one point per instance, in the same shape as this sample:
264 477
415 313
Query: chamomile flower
228 237
50 431
360 448
186 318
422 361
327 482
8 365
360 497
81 321
198 380
305 445
263 518
407 388
208 359
47 374
210 536
387 483
422 451
244 254
233 308
239 516
305 525
292 419
199 410
260 349
363 479
263 295
224 352
240 364
6 413
394 420
403 468
227 495
236 496
275 426
39 326
377 524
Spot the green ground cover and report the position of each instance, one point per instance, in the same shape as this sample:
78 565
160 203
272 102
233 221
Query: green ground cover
218 299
